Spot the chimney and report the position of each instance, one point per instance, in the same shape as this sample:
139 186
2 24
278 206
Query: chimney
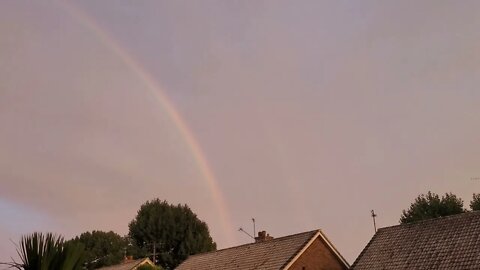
128 258
262 237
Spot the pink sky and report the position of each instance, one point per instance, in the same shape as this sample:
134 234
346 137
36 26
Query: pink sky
309 113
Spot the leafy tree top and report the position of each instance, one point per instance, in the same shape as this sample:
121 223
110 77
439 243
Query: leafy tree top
175 231
475 202
102 248
431 205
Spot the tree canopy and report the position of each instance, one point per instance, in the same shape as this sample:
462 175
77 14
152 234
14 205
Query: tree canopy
431 205
475 202
175 231
102 248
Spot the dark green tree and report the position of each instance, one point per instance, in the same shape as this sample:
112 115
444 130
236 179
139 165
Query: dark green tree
102 248
47 251
175 231
430 205
475 202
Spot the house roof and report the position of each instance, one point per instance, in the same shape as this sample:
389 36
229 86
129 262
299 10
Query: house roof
451 242
128 265
278 253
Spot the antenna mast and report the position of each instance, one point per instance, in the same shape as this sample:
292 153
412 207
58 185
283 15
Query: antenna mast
374 224
254 231
242 230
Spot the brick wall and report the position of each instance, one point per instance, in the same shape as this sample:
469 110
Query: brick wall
318 257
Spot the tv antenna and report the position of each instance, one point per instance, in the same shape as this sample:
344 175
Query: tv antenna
374 224
245 232
242 230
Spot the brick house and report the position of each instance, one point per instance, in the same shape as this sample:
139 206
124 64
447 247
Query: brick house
304 251
129 264
451 242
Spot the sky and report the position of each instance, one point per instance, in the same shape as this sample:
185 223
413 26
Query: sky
301 114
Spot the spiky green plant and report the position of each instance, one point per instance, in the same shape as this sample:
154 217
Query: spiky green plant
48 252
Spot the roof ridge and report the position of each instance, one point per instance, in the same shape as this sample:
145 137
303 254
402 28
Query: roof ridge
265 242
133 263
364 249
428 244
301 248
334 249
322 237
454 216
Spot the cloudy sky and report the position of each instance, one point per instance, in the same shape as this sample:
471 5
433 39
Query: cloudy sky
308 114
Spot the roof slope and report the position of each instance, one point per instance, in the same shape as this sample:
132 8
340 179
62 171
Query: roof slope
268 255
451 242
128 265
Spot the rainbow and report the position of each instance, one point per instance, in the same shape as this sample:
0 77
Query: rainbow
156 91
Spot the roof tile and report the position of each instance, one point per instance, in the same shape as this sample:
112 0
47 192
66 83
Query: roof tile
451 242
268 255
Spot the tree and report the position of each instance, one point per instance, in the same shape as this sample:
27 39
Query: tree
475 202
175 232
102 248
47 251
430 205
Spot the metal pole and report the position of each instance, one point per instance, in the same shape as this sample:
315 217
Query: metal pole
154 254
374 224
242 230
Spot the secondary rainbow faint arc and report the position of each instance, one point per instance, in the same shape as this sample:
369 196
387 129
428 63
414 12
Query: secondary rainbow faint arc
167 105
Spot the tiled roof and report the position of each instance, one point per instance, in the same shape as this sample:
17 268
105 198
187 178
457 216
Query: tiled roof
128 265
268 255
451 242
